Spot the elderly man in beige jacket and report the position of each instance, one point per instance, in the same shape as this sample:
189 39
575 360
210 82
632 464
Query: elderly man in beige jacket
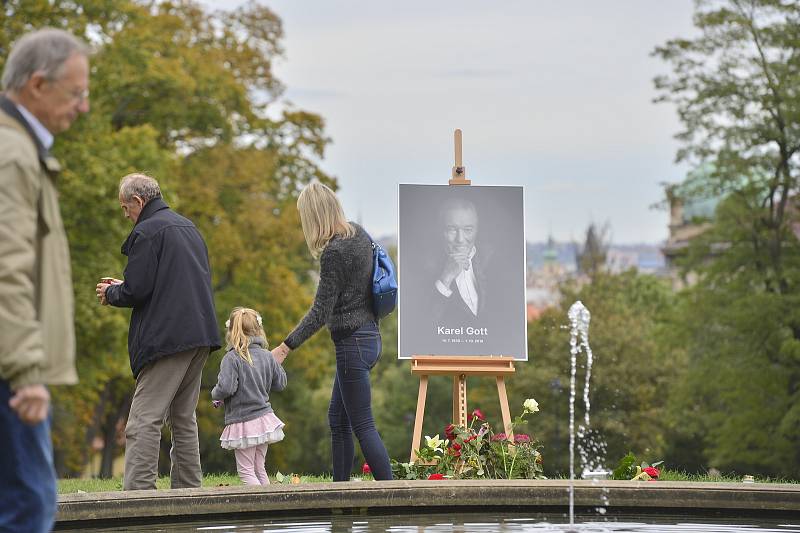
45 83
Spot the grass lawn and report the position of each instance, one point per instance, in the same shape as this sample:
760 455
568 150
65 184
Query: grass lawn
71 486
673 475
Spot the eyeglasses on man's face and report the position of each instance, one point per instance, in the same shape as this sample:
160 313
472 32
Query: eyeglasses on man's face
77 95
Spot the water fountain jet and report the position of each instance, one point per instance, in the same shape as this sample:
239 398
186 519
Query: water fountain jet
579 318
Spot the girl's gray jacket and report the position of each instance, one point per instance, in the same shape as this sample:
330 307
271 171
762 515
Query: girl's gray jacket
246 388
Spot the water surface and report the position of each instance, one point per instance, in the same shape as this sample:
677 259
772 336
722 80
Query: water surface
471 522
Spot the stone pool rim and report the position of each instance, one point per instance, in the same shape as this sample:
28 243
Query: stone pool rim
118 508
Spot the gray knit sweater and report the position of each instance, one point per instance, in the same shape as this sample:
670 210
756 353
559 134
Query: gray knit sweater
246 388
344 295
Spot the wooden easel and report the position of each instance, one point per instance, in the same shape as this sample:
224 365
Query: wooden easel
459 366
459 175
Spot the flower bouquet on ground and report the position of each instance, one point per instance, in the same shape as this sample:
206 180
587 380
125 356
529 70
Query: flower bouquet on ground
477 452
627 469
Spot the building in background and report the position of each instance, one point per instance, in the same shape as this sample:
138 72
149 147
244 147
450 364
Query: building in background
689 217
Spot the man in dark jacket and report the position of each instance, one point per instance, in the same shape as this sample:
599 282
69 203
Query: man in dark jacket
173 328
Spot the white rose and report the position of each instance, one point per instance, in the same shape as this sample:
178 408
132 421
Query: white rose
531 406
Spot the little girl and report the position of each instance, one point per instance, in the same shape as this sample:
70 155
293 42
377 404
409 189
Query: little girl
247 374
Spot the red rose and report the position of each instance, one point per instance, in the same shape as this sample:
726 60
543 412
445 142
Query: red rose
651 471
499 436
450 432
522 438
476 414
366 469
436 476
455 450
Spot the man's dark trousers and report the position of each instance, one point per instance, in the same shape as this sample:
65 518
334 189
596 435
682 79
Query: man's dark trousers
27 474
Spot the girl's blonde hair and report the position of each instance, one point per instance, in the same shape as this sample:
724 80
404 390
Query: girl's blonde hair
243 324
322 217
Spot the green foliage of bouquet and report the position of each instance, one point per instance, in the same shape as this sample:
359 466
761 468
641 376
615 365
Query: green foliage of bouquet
477 452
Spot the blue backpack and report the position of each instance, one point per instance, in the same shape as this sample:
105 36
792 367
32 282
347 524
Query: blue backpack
384 282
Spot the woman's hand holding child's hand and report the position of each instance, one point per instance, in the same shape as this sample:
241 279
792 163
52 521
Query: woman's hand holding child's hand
280 353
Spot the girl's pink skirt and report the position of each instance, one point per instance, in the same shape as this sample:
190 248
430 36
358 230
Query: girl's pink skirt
264 429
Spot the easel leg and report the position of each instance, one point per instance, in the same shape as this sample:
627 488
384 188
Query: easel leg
460 400
423 392
501 393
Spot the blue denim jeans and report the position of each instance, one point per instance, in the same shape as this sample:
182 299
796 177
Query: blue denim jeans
27 474
350 410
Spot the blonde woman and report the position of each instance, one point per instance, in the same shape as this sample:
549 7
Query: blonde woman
248 373
344 303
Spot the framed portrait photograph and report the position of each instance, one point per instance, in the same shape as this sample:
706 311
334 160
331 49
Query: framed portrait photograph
461 255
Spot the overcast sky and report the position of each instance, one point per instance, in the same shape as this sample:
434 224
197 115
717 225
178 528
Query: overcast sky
554 96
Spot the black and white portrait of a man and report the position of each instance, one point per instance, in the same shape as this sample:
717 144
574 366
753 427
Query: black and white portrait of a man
462 271
458 293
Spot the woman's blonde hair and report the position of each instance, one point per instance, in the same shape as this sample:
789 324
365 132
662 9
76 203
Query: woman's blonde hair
243 324
322 217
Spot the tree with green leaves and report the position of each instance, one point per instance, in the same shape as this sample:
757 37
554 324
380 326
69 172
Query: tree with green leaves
629 380
735 88
184 94
591 257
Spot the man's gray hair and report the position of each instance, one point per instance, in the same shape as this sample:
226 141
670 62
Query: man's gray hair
44 51
453 203
140 185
